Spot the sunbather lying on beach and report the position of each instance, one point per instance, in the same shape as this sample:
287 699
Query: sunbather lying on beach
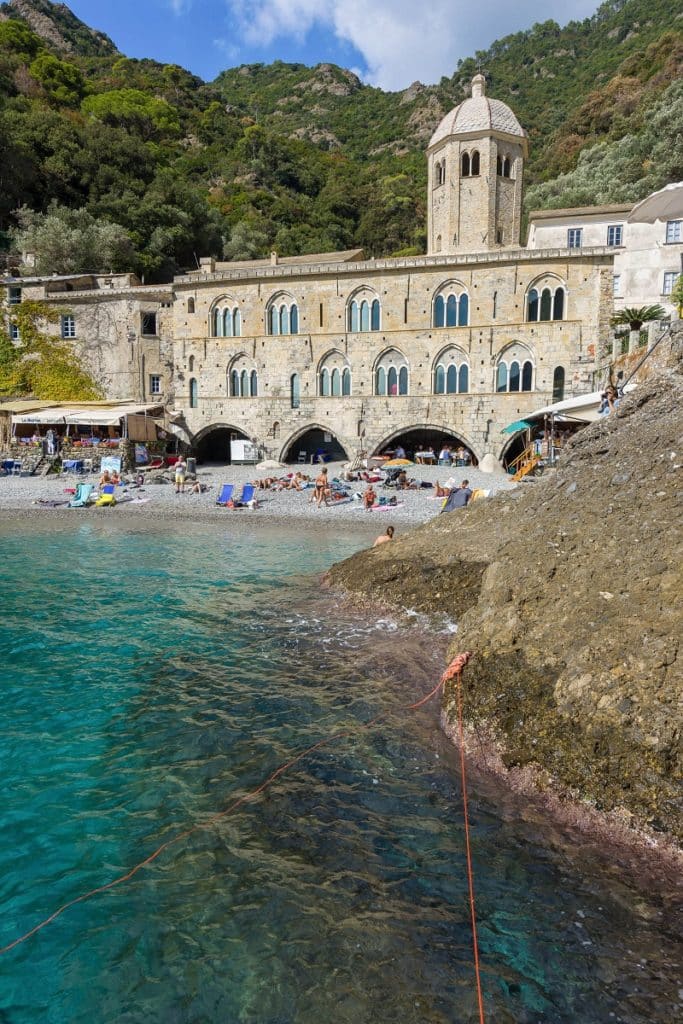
441 492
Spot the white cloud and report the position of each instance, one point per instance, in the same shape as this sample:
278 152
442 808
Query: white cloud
180 6
401 40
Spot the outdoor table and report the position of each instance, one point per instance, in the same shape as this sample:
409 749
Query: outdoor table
425 458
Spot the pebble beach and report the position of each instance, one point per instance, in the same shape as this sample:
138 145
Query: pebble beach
21 495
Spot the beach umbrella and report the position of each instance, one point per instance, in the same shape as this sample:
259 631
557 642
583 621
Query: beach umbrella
666 204
269 464
397 462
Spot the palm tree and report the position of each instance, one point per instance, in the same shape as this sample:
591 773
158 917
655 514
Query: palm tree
635 317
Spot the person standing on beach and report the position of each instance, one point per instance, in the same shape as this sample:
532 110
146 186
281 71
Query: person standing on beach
180 474
322 488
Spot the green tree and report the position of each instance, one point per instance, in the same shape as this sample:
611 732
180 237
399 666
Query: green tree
18 38
63 82
40 364
635 317
65 241
135 110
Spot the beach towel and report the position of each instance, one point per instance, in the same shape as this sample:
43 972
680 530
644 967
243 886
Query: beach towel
82 496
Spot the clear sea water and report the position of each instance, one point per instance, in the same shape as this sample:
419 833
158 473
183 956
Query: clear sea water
148 677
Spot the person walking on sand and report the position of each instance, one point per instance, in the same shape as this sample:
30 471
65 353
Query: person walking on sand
389 535
180 474
370 496
322 488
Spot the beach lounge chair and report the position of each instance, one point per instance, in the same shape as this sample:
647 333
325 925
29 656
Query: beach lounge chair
245 497
82 496
106 497
226 494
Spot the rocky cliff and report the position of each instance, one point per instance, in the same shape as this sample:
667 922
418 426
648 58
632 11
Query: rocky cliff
568 591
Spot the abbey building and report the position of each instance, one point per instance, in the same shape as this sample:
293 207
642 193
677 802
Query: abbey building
350 354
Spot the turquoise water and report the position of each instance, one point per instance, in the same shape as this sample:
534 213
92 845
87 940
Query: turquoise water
148 678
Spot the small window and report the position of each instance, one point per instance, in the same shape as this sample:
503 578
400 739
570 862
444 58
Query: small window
669 281
527 376
295 391
674 231
253 380
14 332
155 384
14 296
194 394
615 234
68 327
499 165
616 284
558 384
149 324
474 166
465 165
346 381
574 238
506 167
190 305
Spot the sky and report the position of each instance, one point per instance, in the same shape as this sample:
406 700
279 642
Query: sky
388 43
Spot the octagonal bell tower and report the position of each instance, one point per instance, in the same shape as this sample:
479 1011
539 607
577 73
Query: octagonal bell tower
476 165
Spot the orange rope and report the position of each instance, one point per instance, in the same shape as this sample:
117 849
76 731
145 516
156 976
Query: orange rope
216 817
454 671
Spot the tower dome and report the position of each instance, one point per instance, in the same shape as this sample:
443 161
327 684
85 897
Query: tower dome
478 114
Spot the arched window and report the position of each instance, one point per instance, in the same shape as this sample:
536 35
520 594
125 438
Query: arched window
532 305
295 391
254 384
274 321
190 305
558 304
514 376
499 165
374 315
506 167
235 384
463 311
474 168
190 364
465 165
346 381
353 317
334 376
294 319
451 309
515 372
227 323
194 394
403 380
452 380
502 377
392 381
439 380
527 375
381 381
336 383
451 373
546 304
364 316
283 317
558 384
244 383
217 323
325 382
391 374
463 379
284 320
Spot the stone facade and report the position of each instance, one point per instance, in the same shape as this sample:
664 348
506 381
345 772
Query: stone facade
357 353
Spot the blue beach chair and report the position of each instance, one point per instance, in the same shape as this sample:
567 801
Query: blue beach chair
247 494
82 496
226 494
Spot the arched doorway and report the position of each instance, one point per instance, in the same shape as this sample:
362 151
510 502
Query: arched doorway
514 448
313 441
213 443
422 438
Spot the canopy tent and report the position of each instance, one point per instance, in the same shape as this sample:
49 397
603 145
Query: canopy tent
514 428
583 408
666 204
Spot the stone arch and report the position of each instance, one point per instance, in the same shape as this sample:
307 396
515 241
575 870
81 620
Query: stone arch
225 318
282 313
515 367
391 363
333 367
546 299
364 310
451 357
428 433
212 443
451 304
307 440
242 377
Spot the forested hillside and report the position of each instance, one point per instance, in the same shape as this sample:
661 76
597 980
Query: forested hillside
167 167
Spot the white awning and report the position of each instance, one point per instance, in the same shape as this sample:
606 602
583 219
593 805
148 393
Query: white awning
581 407
96 416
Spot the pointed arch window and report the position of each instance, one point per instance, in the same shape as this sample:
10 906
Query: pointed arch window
451 309
295 391
294 319
354 319
474 167
235 384
244 383
374 315
527 375
364 315
558 304
336 383
254 384
381 381
449 377
325 382
283 318
546 304
506 167
502 377
532 305
549 305
452 379
392 381
194 393
274 320
463 379
514 376
346 381
465 165
439 380
217 323
403 380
